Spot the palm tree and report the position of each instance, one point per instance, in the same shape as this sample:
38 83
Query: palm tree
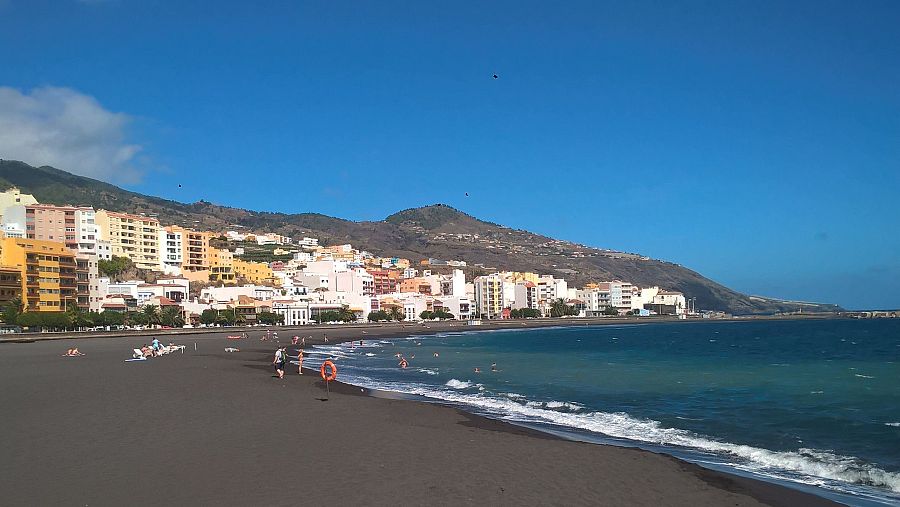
170 316
151 312
396 314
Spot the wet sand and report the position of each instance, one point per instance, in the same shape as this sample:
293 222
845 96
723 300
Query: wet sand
210 427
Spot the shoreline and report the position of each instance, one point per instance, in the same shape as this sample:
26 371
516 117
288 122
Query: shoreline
671 479
30 337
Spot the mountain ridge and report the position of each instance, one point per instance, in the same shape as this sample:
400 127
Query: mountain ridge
435 231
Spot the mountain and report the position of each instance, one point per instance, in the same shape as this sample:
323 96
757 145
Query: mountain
437 231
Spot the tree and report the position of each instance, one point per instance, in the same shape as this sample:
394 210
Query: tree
171 317
151 313
396 314
209 317
610 310
226 318
114 266
270 318
426 315
12 310
111 319
379 316
79 318
136 319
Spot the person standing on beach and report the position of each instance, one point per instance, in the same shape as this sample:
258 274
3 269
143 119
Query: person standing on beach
300 362
279 362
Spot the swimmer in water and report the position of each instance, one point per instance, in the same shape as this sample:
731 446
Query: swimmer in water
436 354
493 366
477 370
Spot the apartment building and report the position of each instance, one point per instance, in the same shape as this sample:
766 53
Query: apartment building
132 236
489 296
194 248
385 280
48 271
10 284
254 272
14 197
171 253
221 265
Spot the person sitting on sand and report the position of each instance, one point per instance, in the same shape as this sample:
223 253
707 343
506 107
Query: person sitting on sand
147 351
156 346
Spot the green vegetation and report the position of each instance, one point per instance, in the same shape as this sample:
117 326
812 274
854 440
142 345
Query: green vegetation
252 251
525 313
60 321
379 316
342 315
269 318
437 314
12 310
396 314
610 310
559 308
114 267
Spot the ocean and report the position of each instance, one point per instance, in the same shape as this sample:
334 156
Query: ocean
810 403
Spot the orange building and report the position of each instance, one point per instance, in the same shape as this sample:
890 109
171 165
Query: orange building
48 271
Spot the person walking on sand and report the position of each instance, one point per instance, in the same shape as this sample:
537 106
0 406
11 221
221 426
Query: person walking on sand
300 362
279 362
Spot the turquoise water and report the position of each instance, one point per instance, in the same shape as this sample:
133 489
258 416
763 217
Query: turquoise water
811 402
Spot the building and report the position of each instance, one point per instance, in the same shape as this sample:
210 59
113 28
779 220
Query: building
48 272
527 296
418 284
194 248
14 197
10 285
133 236
385 281
254 272
73 226
171 253
489 296
88 280
221 265
294 312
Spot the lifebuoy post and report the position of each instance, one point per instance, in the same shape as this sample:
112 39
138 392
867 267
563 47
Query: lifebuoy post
328 376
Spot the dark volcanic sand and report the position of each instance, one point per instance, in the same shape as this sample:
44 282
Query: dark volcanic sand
213 428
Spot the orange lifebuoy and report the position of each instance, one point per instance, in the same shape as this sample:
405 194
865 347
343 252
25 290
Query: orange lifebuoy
331 376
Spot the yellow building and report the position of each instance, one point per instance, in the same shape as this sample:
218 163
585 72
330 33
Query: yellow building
133 236
48 272
194 248
255 272
522 276
221 265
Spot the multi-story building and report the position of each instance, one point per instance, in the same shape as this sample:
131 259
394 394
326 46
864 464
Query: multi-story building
133 236
194 248
527 295
10 284
221 265
14 197
385 280
48 270
171 254
489 296
73 226
254 272
88 282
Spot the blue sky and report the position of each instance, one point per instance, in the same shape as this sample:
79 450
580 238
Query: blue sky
756 142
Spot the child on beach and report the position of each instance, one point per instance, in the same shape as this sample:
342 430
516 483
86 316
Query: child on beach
279 362
300 362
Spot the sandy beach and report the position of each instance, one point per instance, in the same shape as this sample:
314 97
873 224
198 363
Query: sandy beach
210 427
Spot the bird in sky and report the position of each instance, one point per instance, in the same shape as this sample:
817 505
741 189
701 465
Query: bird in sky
496 76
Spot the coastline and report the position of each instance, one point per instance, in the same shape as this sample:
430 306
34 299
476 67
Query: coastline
413 443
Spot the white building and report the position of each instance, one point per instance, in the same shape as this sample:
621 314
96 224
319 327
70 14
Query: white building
223 295
294 311
527 296
171 254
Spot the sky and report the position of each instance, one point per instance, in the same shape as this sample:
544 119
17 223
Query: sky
755 142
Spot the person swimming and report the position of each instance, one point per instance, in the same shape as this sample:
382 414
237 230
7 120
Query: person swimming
494 367
477 370
436 354
403 363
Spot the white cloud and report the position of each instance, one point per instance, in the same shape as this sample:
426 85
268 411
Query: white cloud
68 130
